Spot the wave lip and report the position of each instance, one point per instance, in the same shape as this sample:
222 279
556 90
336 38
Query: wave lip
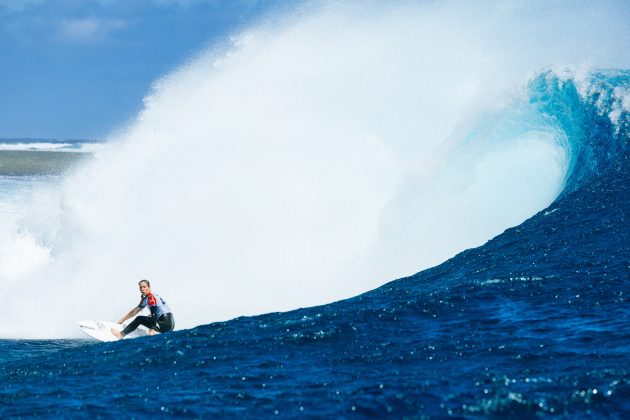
592 111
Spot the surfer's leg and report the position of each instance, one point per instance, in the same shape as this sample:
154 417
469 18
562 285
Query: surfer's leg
166 323
147 321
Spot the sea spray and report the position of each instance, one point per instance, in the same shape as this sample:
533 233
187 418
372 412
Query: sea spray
307 163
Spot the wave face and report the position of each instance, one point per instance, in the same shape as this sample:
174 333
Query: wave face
309 161
530 323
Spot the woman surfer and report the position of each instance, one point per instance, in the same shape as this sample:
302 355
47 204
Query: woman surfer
161 319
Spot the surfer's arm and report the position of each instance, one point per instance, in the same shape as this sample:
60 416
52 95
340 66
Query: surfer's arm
131 313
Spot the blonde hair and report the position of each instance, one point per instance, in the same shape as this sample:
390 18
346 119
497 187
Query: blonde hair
144 281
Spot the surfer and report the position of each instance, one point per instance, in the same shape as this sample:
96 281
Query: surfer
161 319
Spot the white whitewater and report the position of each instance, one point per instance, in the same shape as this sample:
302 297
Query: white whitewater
304 162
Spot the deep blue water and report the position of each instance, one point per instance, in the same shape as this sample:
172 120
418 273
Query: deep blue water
534 323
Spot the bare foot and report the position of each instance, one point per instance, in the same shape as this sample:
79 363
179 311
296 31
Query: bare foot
152 332
117 333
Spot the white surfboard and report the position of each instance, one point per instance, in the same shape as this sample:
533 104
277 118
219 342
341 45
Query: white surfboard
102 330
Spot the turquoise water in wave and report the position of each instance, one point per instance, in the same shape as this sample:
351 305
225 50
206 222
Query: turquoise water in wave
533 323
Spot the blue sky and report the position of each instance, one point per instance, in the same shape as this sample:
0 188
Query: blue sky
73 69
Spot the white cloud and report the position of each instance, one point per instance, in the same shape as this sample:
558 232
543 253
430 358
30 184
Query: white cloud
88 30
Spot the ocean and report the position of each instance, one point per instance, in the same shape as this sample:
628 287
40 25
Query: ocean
277 255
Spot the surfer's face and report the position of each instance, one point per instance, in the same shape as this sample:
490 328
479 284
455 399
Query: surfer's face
144 289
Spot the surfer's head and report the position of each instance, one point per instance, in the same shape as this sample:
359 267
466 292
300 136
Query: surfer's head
145 286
